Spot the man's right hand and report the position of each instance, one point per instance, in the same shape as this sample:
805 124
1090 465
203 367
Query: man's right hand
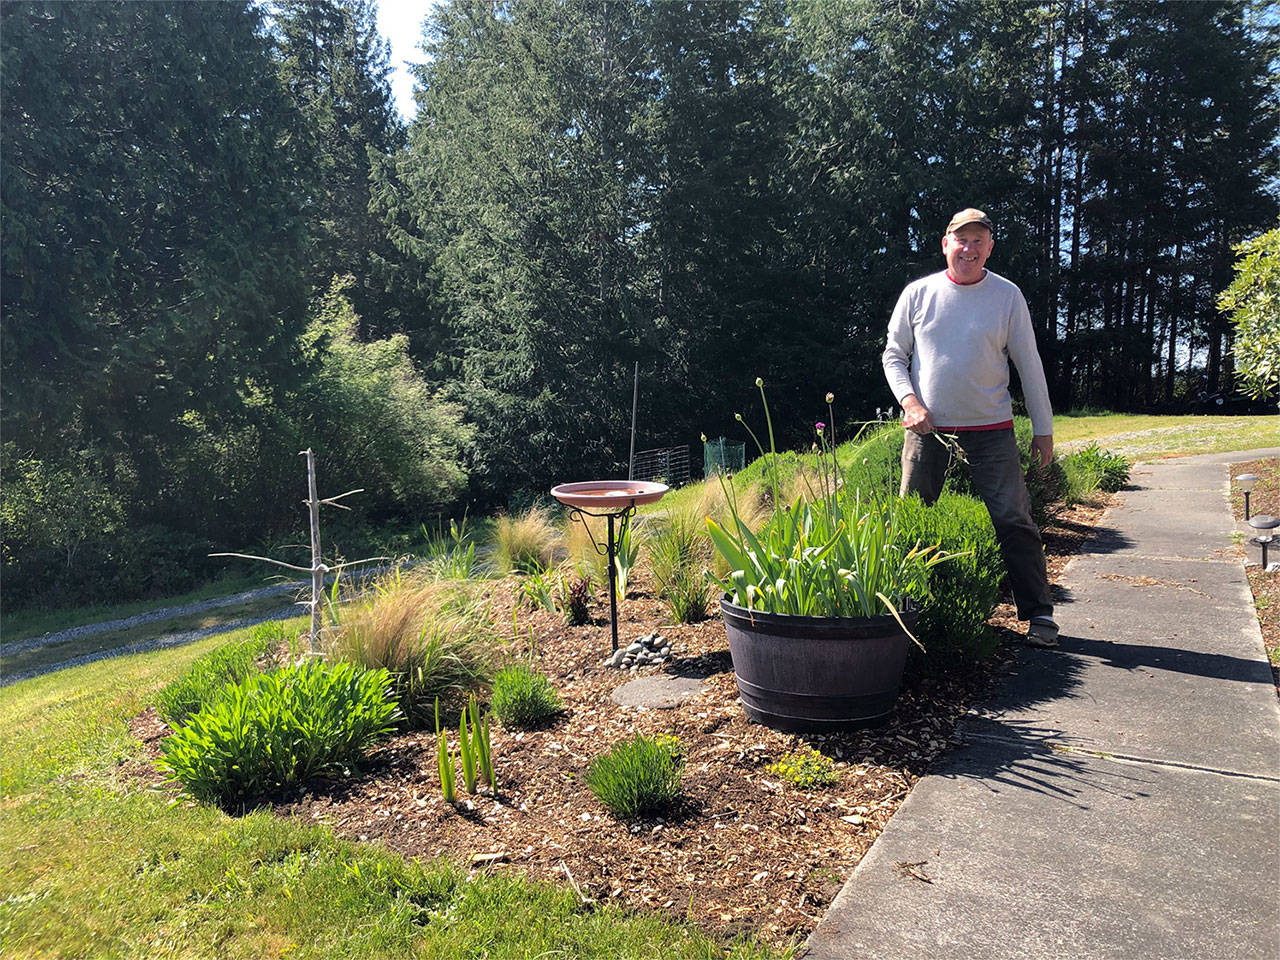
915 416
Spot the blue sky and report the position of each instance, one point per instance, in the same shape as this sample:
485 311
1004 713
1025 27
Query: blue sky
400 21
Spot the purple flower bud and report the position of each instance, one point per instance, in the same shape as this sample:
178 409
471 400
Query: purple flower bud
820 426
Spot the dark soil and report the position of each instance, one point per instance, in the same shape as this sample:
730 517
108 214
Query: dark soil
742 852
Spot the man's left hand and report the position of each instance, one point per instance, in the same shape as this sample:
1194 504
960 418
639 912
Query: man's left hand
1042 451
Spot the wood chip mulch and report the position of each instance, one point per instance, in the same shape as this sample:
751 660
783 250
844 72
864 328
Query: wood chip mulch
741 853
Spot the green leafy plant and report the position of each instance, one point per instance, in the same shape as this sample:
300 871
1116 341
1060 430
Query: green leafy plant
626 555
539 588
230 663
474 747
806 769
444 762
576 600
523 698
453 555
276 730
1252 300
838 554
635 778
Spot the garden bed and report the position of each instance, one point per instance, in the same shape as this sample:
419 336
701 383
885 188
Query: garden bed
741 853
1265 499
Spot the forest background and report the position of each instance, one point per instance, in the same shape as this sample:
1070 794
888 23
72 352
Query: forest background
221 245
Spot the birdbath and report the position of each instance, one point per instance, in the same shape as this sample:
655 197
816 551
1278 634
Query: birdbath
613 499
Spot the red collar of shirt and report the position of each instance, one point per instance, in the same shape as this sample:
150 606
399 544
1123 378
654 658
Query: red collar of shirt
970 283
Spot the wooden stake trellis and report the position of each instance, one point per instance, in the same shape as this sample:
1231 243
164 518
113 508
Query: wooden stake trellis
318 569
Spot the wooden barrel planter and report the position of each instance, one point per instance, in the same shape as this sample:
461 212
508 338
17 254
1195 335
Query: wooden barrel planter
815 674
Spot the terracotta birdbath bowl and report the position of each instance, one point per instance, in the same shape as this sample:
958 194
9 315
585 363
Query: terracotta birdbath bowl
612 499
609 495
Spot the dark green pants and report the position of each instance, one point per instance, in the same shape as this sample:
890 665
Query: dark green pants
997 478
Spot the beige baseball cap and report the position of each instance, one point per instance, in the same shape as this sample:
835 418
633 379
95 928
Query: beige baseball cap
968 216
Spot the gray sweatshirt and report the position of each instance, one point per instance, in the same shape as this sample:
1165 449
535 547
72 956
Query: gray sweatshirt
951 345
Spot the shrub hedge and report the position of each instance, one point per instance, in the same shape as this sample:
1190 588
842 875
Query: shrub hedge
953 623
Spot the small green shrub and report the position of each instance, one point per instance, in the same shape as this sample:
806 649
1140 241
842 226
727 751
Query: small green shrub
806 769
522 698
1047 486
1093 468
964 590
636 778
230 663
273 731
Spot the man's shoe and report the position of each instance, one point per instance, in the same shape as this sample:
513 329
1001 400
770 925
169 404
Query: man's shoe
1043 632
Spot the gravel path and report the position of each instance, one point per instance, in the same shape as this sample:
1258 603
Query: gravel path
151 616
291 588
156 643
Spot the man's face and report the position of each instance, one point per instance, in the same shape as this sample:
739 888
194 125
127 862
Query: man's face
967 251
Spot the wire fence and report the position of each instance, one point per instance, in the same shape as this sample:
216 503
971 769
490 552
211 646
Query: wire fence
720 456
669 465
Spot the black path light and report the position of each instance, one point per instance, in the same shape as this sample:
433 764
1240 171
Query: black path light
1247 482
1266 527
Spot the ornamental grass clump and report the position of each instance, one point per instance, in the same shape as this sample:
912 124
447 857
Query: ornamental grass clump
523 698
434 637
524 543
274 731
636 778
837 553
678 554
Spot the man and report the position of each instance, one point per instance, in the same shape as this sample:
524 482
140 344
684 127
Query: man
951 338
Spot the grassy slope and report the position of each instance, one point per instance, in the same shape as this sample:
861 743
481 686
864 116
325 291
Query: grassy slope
1144 437
99 867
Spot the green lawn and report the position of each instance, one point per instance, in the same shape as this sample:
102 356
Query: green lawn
97 866
1149 437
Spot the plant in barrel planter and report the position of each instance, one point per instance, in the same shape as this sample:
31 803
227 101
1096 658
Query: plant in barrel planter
819 604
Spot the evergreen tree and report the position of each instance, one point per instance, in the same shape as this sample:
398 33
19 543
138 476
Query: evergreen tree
335 65
151 222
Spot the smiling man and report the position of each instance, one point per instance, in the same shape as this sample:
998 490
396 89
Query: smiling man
951 338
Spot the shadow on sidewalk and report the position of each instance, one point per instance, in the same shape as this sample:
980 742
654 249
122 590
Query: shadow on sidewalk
1019 755
1007 752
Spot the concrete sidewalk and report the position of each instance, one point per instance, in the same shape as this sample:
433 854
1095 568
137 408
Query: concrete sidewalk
1120 797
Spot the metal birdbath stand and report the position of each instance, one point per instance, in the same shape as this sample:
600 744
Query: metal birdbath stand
613 500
